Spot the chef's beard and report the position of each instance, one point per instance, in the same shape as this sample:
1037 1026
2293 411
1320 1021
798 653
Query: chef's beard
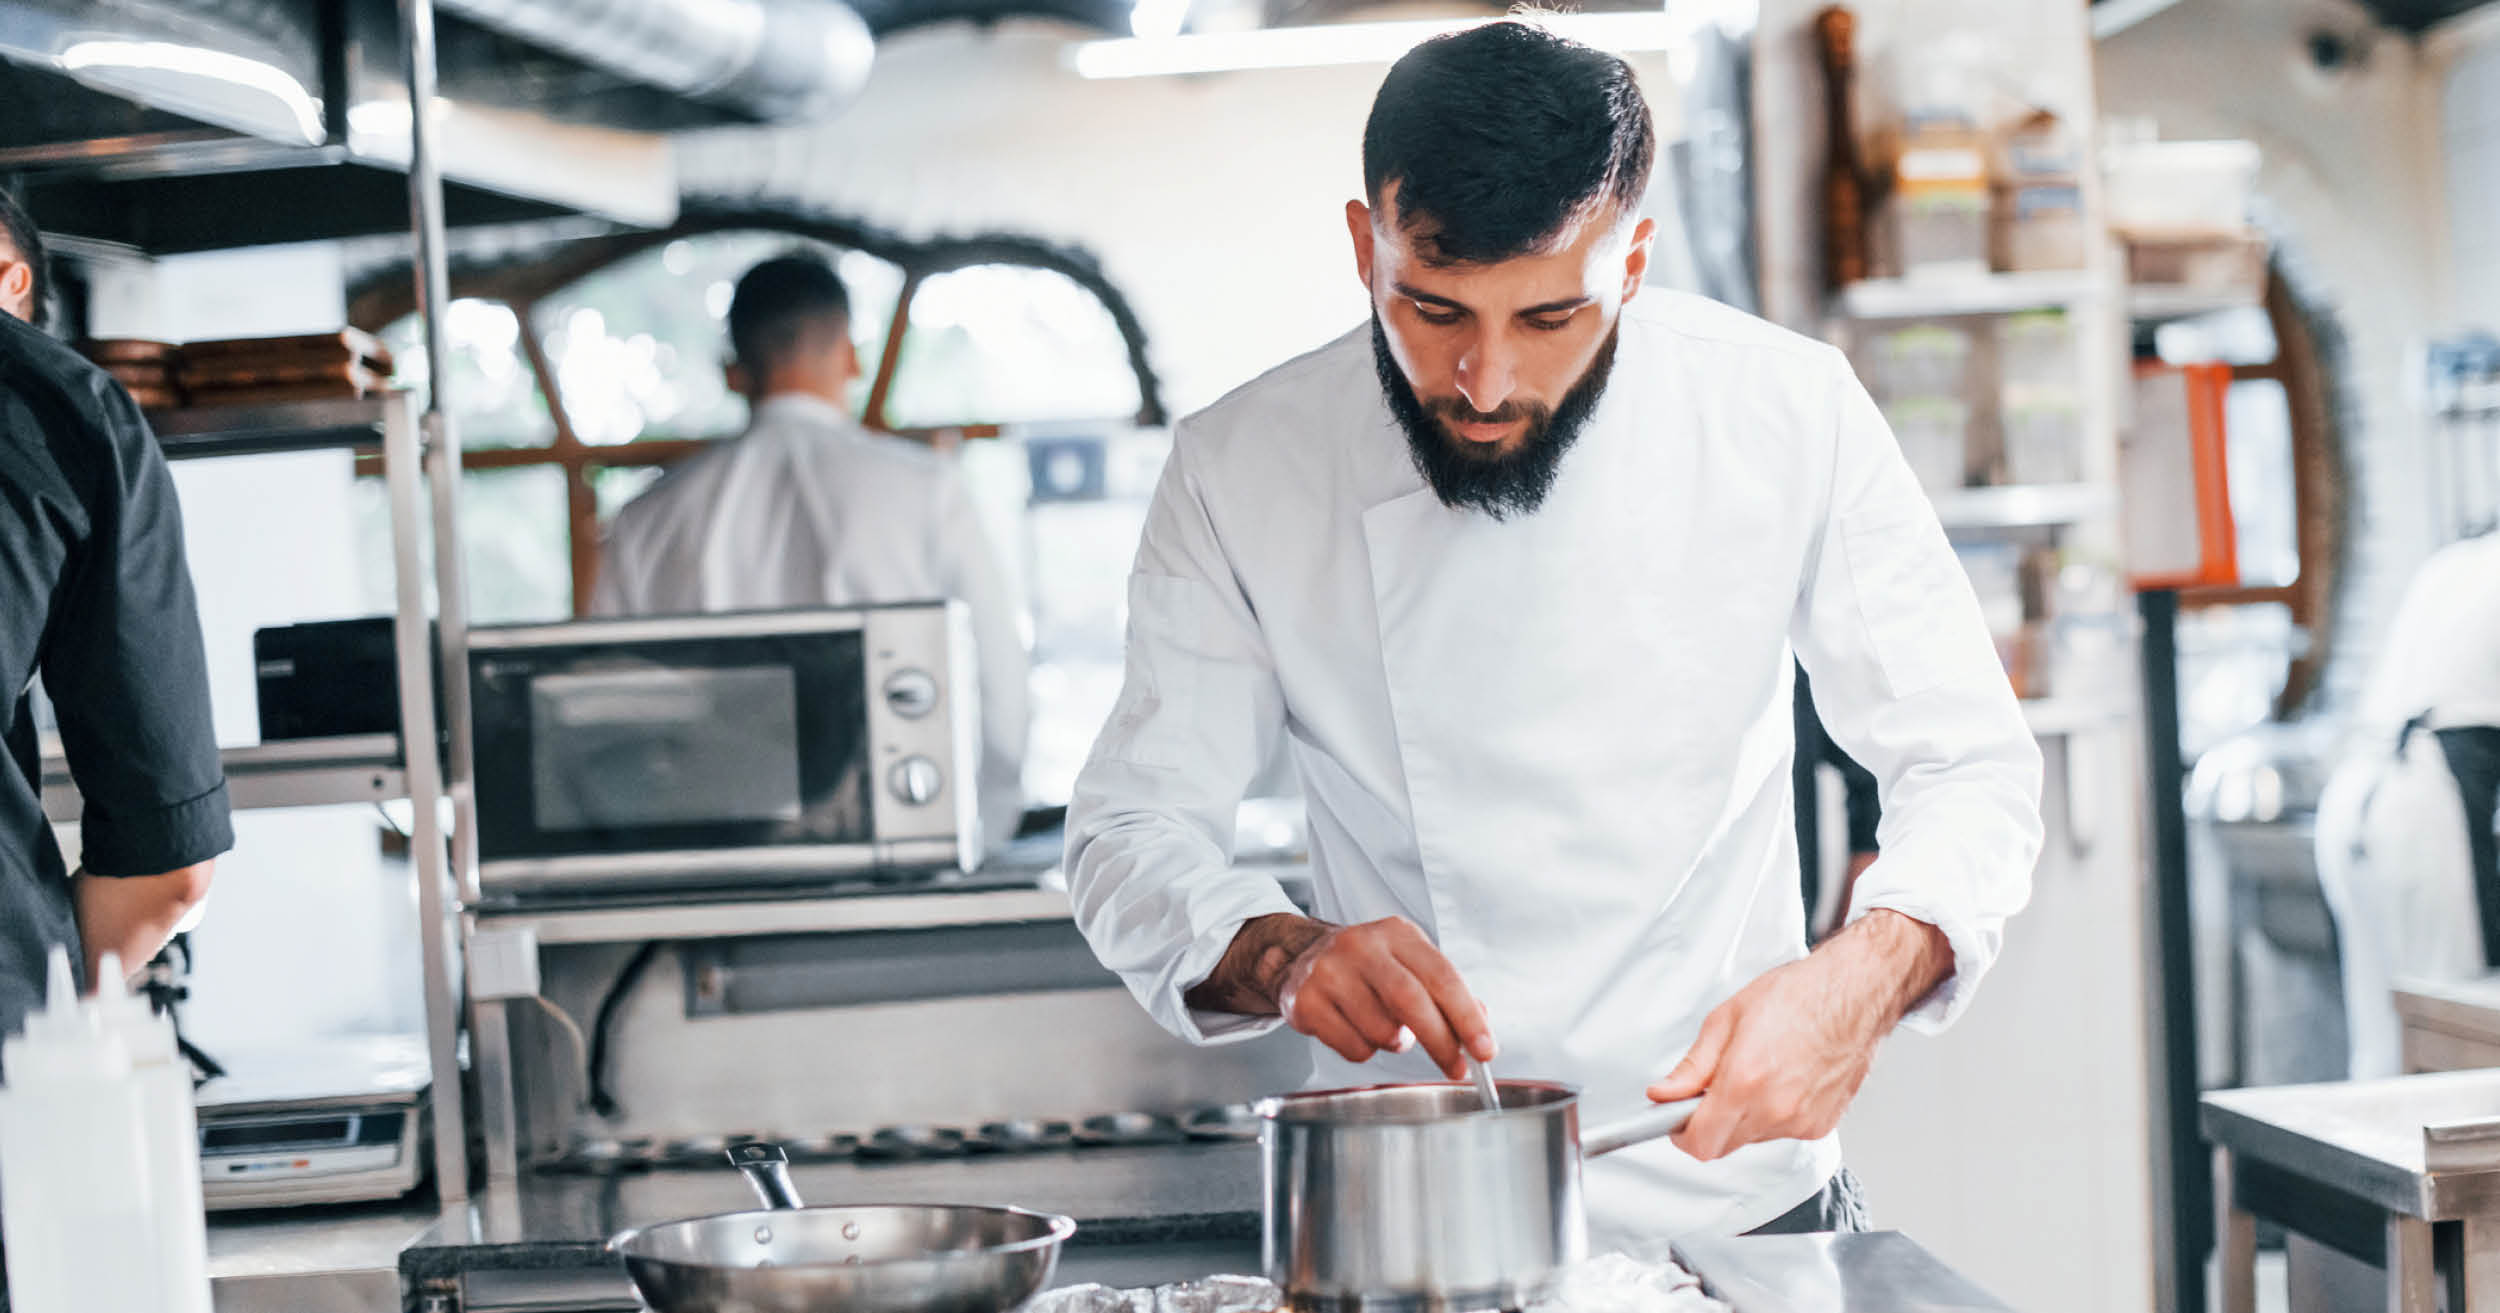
1510 483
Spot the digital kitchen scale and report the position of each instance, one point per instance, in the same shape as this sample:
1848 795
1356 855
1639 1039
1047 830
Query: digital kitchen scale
332 1122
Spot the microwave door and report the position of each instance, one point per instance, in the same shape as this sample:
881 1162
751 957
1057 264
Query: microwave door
640 749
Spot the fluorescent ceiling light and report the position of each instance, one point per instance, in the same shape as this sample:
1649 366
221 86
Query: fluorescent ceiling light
128 66
1352 43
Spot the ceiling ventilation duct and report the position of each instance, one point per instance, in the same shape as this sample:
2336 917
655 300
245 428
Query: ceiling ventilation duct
772 59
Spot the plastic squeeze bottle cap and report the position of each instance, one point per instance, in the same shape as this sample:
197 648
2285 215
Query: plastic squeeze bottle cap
128 1014
64 1038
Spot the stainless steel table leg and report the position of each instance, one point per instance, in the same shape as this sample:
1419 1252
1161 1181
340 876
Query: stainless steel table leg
2412 1276
2482 1265
2235 1242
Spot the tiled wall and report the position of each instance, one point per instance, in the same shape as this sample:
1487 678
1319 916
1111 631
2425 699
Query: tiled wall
2469 130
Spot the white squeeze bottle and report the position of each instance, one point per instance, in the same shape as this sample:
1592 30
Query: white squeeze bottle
82 1207
170 1115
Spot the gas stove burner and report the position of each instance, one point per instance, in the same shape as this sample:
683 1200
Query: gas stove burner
1123 1129
601 1153
698 1150
707 1149
1023 1136
821 1148
1233 1121
901 1142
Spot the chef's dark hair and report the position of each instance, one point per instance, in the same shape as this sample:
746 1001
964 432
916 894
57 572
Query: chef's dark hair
28 244
783 303
1499 136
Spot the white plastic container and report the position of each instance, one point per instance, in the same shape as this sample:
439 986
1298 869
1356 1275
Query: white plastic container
87 1148
1934 433
171 1113
2170 188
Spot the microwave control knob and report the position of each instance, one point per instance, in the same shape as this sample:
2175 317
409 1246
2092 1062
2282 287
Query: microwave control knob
911 693
916 780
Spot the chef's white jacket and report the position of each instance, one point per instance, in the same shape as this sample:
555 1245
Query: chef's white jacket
807 508
1558 743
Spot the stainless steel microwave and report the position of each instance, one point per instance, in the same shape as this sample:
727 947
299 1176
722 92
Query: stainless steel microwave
755 748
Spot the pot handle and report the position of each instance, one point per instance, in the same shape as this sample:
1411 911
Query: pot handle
1639 1128
767 1168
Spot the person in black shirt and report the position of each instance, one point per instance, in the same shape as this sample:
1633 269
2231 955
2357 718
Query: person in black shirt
95 597
22 284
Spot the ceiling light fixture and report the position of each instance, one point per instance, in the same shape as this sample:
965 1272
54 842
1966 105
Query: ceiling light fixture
143 68
1326 44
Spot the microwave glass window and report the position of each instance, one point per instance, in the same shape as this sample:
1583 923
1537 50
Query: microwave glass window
630 749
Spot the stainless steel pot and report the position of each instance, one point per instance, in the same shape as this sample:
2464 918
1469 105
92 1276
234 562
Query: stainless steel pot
871 1259
1418 1199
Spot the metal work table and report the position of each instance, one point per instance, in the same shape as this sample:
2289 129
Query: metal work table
2402 1174
1883 1270
2450 1025
340 1258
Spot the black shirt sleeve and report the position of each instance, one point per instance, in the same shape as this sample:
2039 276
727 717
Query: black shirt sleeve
124 666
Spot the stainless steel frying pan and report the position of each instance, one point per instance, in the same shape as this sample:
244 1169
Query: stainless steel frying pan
882 1258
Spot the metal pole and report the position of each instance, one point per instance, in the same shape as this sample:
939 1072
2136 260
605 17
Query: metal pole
435 905
442 471
2183 1181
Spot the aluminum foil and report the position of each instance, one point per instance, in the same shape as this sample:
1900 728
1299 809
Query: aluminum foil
1609 1283
1215 1294
1621 1283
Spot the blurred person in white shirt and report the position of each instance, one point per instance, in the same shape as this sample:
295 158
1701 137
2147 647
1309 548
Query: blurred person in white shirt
2406 852
809 508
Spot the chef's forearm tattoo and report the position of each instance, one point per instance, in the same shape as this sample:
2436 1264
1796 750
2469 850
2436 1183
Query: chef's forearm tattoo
1250 978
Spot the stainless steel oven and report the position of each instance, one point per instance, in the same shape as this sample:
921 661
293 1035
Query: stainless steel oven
757 748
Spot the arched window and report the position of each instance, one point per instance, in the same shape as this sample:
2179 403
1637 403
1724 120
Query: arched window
992 343
2253 652
583 370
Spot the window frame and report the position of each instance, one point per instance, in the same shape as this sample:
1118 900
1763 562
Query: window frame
2317 495
521 283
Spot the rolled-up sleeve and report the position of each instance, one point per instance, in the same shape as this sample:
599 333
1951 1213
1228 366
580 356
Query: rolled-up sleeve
1150 823
1908 683
127 676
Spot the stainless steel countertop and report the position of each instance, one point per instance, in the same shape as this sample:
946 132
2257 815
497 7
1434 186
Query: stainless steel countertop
342 1257
1875 1270
2365 1137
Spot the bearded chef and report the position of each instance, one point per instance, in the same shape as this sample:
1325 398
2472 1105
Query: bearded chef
1515 573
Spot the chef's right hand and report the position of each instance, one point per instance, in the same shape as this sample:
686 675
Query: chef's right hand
1382 987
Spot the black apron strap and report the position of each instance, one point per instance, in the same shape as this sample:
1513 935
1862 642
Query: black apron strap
2473 755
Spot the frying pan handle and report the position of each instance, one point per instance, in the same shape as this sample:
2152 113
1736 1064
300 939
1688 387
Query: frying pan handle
767 1169
1639 1128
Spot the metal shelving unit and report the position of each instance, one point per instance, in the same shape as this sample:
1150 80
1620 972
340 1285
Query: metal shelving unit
126 165
257 429
1975 294
914 909
303 773
368 768
2024 506
2055 716
2159 303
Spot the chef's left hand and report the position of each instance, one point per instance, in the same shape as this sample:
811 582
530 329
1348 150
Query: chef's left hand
1782 1058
